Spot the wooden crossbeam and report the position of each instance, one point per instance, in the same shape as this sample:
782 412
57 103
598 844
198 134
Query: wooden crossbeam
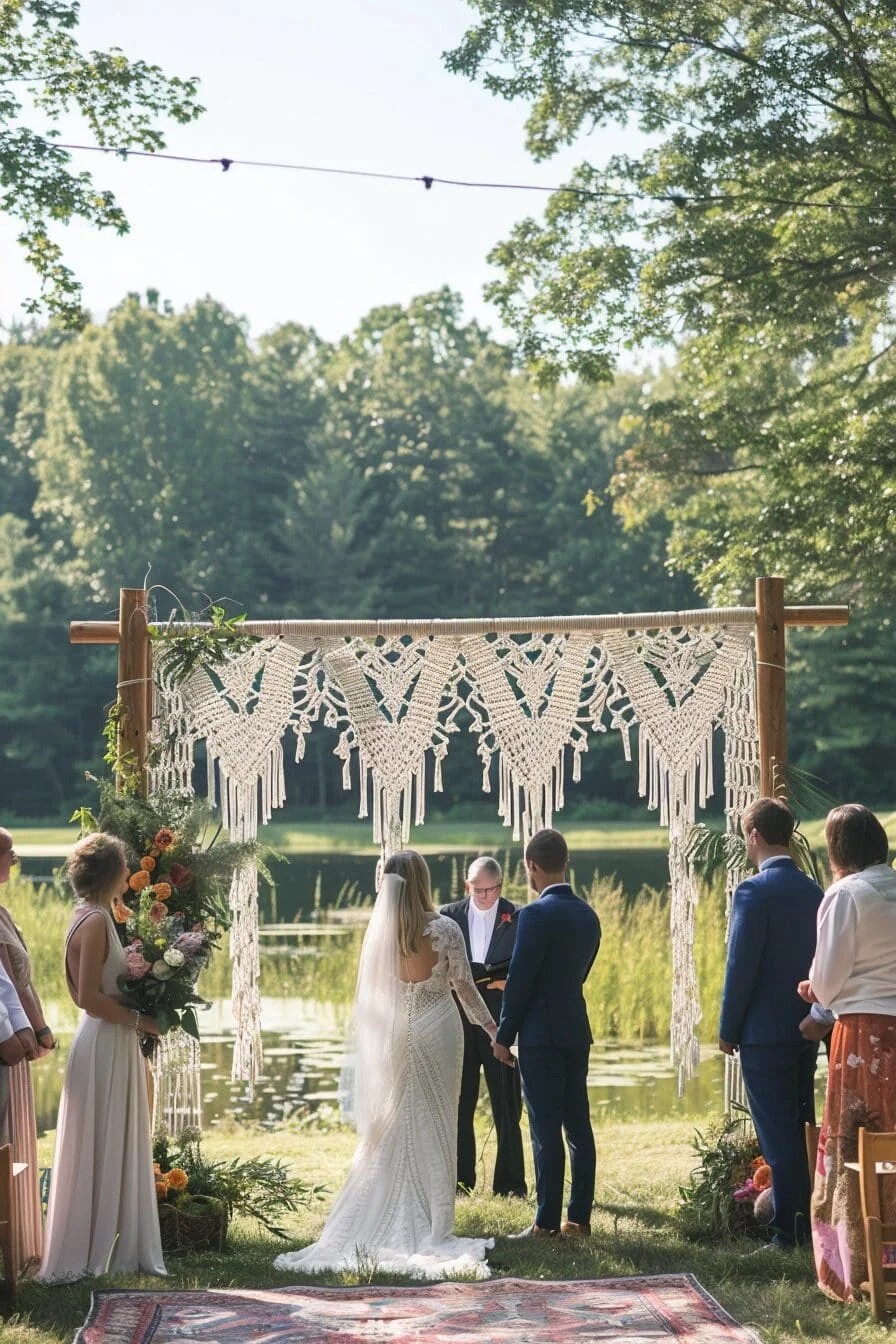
107 632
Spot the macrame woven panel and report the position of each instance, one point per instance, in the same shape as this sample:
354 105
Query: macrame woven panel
393 704
675 686
528 698
525 702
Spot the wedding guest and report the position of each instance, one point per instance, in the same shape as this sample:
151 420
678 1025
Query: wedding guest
103 1215
853 975
21 1128
771 940
488 924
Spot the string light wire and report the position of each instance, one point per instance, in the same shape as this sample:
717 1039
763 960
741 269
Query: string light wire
678 199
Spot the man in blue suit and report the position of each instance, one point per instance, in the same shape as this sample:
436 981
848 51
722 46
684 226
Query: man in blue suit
544 1011
771 943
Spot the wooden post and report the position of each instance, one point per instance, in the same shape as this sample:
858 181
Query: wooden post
771 680
134 673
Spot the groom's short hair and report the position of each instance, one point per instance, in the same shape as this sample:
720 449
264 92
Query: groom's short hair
549 850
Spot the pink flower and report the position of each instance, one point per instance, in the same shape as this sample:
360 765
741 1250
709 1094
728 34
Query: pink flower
746 1191
157 911
505 919
136 965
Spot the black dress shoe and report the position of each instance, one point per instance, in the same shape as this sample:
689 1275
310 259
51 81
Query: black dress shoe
533 1230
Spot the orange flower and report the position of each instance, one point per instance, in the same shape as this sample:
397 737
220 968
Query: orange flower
137 881
162 1189
148 863
162 890
757 1162
164 838
120 912
762 1177
156 1169
178 1179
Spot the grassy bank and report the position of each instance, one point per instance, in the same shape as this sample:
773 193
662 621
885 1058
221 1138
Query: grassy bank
354 836
640 1167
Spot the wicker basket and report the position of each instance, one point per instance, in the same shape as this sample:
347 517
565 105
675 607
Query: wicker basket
198 1224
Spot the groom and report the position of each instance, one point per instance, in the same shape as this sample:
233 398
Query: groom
488 924
544 1009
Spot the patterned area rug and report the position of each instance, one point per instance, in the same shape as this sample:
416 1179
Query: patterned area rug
503 1311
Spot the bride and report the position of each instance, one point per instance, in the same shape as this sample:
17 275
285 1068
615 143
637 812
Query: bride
395 1212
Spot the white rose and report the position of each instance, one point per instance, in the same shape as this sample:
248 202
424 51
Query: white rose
161 970
174 957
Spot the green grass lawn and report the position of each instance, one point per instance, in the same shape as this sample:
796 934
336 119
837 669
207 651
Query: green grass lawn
354 836
640 1167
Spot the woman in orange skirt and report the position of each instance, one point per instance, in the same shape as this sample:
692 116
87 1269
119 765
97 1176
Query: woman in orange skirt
853 974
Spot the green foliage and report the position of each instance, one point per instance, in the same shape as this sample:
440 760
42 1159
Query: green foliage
256 1187
121 101
219 638
708 1210
755 222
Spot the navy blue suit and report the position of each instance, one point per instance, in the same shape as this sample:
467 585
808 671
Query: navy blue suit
544 1011
771 943
503 1084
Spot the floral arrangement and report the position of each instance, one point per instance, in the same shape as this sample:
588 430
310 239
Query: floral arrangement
198 1197
175 912
727 1183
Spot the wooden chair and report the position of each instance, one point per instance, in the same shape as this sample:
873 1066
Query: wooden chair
812 1133
10 1182
877 1151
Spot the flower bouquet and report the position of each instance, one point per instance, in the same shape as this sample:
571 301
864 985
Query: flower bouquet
198 1197
175 912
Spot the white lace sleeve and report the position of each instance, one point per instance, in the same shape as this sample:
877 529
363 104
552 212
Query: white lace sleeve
472 1002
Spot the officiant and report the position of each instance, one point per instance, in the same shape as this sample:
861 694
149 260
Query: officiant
488 924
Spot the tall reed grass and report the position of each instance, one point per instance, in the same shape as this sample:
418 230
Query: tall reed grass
628 993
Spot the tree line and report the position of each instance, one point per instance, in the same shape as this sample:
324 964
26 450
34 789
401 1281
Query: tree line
409 469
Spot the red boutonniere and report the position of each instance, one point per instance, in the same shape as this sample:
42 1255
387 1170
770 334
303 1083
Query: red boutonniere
506 919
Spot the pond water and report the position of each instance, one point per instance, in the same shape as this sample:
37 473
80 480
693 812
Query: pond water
311 881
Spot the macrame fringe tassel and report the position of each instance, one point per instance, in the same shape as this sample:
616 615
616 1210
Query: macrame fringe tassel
177 1083
246 972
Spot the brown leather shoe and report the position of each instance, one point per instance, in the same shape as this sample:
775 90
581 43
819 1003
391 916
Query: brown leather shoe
533 1230
575 1229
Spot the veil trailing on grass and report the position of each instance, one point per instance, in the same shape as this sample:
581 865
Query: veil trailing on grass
376 1050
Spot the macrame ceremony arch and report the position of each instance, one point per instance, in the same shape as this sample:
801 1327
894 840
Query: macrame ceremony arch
532 687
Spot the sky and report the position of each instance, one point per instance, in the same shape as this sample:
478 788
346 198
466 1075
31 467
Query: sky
346 84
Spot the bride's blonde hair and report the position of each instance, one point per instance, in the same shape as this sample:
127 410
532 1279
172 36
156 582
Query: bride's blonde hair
414 899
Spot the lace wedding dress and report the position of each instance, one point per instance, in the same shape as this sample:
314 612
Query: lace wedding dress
395 1212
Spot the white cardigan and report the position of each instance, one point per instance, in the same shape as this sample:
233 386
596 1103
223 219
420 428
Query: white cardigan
854 970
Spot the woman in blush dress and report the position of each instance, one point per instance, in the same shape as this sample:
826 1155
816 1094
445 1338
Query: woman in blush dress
395 1212
16 962
103 1216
